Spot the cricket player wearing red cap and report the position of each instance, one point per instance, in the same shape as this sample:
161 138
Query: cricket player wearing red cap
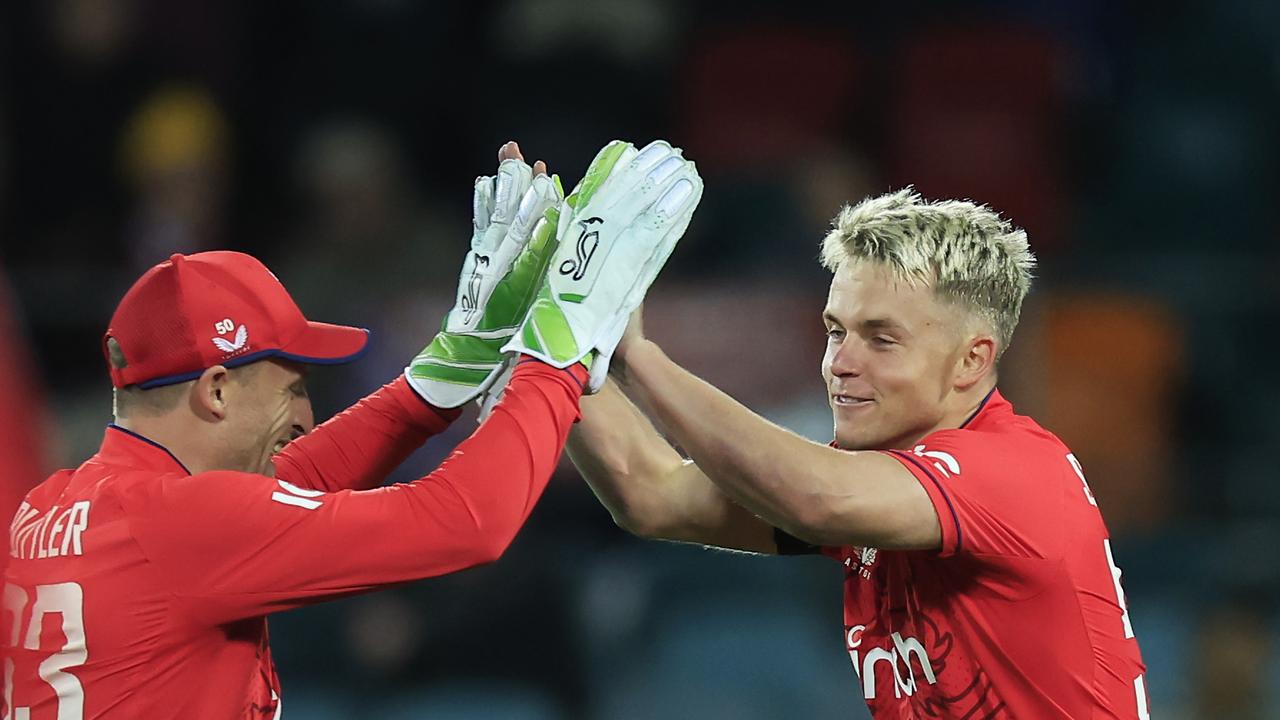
140 582
978 574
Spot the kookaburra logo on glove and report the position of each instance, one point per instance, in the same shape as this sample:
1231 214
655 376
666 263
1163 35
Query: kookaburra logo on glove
587 242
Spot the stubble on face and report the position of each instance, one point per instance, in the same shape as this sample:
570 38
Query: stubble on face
275 410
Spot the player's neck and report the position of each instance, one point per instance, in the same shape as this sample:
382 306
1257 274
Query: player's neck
965 405
174 434
960 408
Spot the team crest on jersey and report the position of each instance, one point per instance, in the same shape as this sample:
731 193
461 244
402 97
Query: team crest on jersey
860 561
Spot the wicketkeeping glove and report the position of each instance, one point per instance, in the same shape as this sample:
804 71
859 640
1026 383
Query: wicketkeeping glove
514 221
616 230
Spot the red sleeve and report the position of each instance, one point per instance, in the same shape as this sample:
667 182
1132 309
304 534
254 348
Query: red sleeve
357 448
992 496
234 545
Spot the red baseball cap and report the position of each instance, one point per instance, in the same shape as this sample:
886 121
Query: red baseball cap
226 308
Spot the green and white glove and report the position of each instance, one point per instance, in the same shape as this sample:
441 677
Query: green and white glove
514 221
616 230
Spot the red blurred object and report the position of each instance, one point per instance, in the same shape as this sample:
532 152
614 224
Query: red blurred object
22 416
974 117
801 92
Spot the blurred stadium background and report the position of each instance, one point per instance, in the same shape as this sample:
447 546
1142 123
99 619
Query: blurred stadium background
338 140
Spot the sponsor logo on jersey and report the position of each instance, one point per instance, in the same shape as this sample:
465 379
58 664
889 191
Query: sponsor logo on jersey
906 658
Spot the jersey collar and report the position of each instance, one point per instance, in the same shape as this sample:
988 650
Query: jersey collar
126 447
991 405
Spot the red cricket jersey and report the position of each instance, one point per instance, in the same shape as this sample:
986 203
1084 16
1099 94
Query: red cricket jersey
1021 614
138 590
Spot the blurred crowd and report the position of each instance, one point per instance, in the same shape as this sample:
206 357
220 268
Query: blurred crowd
338 141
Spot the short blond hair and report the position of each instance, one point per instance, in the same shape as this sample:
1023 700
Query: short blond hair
966 252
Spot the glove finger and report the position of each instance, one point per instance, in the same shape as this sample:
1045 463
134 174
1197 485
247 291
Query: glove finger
656 157
652 154
680 198
509 186
542 194
514 177
674 209
481 206
659 180
617 154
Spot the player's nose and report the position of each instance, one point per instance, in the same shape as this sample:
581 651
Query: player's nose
304 416
847 359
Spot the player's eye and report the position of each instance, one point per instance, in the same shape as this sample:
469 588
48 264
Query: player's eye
883 341
834 333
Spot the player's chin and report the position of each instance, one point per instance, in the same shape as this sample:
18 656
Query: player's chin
850 439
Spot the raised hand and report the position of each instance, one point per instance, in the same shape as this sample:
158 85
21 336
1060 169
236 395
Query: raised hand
616 229
514 221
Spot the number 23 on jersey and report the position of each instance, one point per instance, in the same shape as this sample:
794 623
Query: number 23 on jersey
27 611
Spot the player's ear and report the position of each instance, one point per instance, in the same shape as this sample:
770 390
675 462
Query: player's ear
208 394
977 359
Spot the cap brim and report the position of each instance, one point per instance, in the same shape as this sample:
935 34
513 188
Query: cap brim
325 344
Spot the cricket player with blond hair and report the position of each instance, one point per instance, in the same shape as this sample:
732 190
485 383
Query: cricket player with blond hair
979 579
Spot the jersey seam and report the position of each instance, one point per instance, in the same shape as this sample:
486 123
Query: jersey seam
152 565
1089 636
1079 614
955 517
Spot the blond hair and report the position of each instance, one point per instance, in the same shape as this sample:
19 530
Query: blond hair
966 252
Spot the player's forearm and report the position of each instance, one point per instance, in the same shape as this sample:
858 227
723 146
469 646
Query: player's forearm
357 448
481 495
206 533
624 460
779 476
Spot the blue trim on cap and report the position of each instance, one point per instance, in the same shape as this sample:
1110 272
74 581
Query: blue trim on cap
149 441
254 357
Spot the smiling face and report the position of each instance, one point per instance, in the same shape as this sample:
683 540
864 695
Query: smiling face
265 412
894 356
